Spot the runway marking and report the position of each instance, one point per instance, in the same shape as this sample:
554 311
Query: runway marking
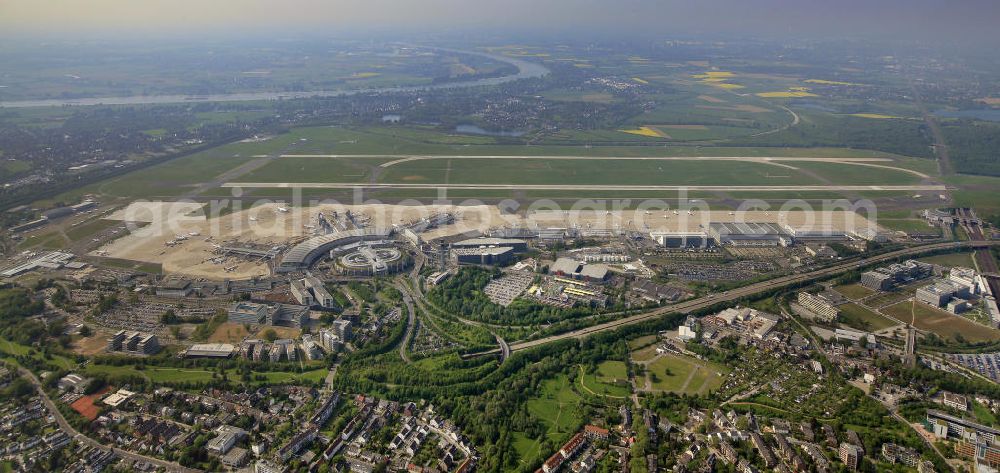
584 187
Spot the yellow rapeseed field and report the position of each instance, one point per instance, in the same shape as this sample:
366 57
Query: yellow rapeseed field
788 94
645 131
873 115
718 79
828 82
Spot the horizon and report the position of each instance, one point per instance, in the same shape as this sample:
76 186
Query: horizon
966 21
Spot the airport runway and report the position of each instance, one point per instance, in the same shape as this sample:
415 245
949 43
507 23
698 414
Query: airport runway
581 187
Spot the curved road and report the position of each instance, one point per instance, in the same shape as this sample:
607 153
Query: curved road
750 290
411 323
69 430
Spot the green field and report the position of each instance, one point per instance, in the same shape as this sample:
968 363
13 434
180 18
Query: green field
944 324
858 317
684 375
310 169
89 228
9 349
183 175
909 225
854 291
180 375
557 408
610 380
951 260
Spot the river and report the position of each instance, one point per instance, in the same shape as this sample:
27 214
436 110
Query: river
525 70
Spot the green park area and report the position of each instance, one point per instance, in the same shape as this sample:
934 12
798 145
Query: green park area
683 375
609 379
557 407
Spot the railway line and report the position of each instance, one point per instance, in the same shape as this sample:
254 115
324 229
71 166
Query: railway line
735 294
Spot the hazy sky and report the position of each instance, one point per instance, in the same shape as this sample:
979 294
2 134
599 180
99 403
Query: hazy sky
945 19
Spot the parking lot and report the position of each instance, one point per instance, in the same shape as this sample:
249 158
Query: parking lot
987 364
508 287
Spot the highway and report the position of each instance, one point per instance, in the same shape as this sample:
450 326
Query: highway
746 291
411 323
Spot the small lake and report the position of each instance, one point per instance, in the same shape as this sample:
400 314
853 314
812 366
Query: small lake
475 130
987 114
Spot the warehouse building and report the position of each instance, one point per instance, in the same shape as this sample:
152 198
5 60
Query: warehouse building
174 287
210 350
815 233
748 234
681 239
41 222
571 268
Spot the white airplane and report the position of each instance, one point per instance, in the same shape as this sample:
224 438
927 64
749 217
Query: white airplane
253 219
283 209
194 234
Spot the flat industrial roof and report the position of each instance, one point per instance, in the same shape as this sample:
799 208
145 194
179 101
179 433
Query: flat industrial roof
746 228
211 349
